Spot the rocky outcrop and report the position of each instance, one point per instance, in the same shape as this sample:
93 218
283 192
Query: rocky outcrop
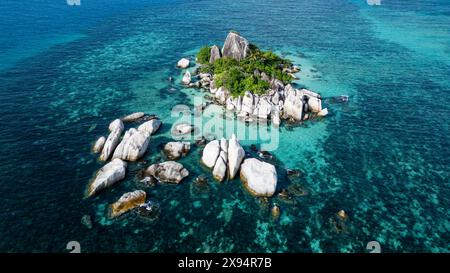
183 63
223 157
186 78
98 146
235 156
109 174
215 54
127 202
236 47
168 172
260 178
279 102
150 127
133 117
116 128
175 150
133 145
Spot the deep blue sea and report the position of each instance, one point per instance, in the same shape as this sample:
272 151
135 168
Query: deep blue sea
67 71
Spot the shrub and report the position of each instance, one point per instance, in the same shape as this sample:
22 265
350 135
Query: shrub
204 55
238 76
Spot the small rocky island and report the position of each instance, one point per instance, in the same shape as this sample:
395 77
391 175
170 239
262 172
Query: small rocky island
253 83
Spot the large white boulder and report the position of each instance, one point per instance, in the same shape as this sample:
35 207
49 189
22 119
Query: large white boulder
220 167
175 150
116 128
210 153
109 174
133 145
127 202
186 78
235 156
116 124
98 146
168 172
150 127
133 117
259 177
183 63
293 106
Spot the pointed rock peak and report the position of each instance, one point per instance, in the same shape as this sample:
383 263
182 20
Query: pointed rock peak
236 46
215 54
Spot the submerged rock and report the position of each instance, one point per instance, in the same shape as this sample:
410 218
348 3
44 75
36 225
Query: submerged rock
133 117
183 129
175 150
293 172
201 141
183 63
296 190
235 156
127 202
342 215
259 177
275 211
285 197
340 99
98 146
133 145
168 172
186 78
149 210
201 180
265 155
109 174
235 46
86 220
149 181
116 128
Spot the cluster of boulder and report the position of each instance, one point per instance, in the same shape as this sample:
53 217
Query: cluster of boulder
131 147
280 102
226 158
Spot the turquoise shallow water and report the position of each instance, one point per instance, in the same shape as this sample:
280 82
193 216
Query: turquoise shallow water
383 157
